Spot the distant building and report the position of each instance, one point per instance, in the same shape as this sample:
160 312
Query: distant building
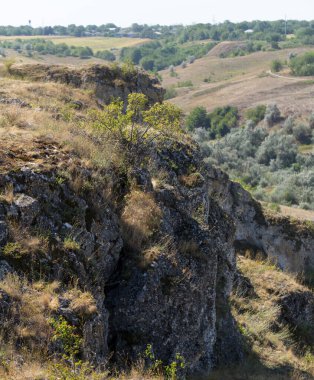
249 31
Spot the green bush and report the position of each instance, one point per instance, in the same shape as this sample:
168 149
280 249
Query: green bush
256 114
222 120
303 65
276 66
106 55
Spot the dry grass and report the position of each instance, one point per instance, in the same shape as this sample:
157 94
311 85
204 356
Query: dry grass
191 248
8 194
29 314
241 82
192 180
24 242
140 219
273 351
82 303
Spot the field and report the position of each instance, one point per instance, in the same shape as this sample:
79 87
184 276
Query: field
95 43
240 81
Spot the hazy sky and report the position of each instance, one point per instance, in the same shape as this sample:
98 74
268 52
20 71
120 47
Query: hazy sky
126 12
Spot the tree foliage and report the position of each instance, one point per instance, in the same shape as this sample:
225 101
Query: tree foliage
139 124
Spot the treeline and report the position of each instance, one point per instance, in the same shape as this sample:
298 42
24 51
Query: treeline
105 30
262 30
44 47
157 55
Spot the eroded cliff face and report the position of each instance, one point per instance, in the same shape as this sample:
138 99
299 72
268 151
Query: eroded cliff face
104 81
289 243
168 287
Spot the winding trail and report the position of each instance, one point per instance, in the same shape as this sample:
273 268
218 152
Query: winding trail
299 79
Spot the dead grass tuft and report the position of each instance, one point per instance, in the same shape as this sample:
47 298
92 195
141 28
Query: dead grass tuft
191 248
273 351
141 219
192 180
8 194
82 303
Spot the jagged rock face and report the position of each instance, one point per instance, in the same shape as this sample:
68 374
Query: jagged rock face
177 301
107 82
290 245
40 205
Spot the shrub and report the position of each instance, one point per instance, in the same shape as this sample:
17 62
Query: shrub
276 66
222 120
66 335
272 114
106 55
256 114
302 133
303 65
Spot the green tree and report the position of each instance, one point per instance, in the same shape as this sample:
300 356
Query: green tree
198 118
138 125
136 56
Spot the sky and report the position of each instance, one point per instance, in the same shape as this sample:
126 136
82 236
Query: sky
126 12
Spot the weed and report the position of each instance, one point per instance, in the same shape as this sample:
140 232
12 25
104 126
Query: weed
65 334
13 251
71 245
156 366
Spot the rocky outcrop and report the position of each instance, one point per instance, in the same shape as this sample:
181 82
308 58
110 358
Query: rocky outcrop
44 210
179 302
289 243
106 82
171 291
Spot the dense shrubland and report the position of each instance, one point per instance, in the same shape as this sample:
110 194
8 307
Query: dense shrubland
271 158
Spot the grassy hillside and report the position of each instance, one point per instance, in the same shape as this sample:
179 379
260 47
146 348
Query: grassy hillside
240 81
276 349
